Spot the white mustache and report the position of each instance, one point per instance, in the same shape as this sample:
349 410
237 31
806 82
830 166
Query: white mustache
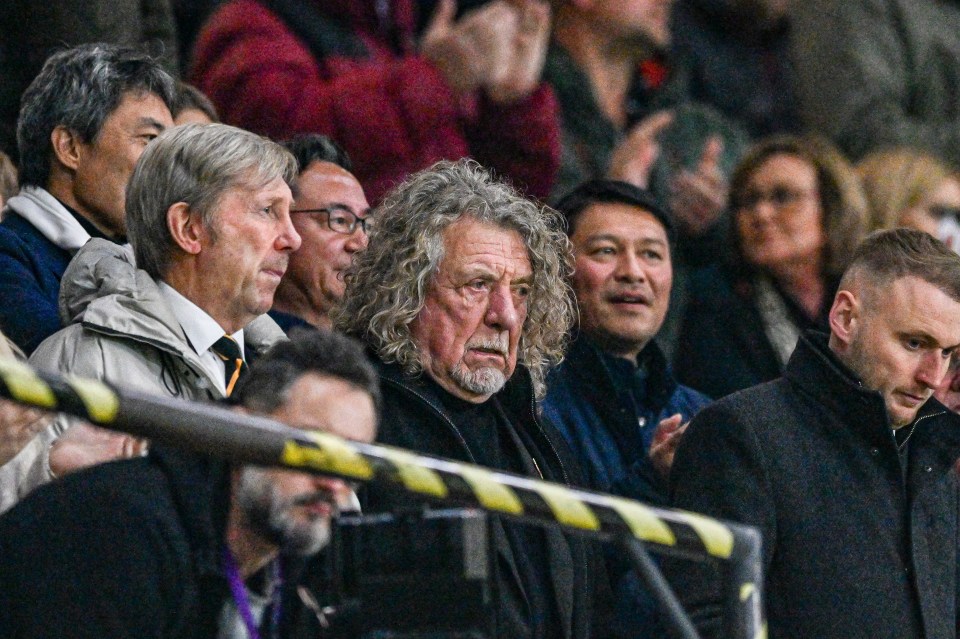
497 344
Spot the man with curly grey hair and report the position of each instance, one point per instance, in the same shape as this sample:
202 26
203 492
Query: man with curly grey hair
462 297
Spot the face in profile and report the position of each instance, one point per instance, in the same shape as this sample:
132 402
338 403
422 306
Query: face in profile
293 510
468 330
622 277
103 165
898 341
779 219
246 252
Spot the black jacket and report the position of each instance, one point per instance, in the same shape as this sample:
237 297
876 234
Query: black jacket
854 546
414 417
129 549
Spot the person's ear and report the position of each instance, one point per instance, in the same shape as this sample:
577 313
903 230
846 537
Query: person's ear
65 143
186 228
845 316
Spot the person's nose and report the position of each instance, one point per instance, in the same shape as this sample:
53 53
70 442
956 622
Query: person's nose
287 238
932 369
630 268
502 311
357 241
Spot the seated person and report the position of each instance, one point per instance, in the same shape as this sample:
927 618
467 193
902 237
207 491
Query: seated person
798 211
331 214
209 223
84 122
164 546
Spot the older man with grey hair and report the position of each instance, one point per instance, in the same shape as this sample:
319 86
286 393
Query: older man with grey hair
461 296
84 121
208 215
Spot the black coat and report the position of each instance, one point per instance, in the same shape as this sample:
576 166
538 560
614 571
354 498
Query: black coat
413 417
853 545
129 549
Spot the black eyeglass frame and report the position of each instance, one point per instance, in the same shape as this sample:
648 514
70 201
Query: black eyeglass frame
363 222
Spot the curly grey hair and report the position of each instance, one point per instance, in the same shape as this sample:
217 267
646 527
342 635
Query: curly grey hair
387 285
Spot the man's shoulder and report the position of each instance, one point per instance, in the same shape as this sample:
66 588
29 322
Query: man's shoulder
18 237
114 489
754 407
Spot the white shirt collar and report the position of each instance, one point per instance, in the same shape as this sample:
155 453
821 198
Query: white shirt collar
201 330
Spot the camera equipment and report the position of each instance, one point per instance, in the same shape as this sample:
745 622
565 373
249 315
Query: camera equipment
420 574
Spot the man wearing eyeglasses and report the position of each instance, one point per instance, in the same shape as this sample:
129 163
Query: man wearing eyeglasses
331 214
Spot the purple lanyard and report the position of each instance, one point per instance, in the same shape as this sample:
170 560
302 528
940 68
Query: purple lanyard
240 597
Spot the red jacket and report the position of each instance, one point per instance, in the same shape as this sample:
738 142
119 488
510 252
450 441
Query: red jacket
391 110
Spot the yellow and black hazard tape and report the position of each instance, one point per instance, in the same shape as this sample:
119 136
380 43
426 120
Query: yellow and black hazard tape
430 477
505 493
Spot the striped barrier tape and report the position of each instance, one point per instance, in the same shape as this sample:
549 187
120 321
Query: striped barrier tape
218 431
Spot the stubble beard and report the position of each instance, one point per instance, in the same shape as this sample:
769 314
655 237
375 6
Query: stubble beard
269 515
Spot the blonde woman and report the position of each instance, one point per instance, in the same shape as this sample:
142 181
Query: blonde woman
906 187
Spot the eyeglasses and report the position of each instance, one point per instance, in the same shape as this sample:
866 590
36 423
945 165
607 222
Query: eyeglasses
940 211
779 197
341 220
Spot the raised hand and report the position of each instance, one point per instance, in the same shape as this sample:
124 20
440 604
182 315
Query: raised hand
634 157
665 441
527 53
698 198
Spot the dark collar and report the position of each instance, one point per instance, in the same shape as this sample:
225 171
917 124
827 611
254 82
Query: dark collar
586 358
88 226
817 372
516 396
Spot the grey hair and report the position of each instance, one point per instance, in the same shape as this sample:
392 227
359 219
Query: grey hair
79 88
196 164
387 284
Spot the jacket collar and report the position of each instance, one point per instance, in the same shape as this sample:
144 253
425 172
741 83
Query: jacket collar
585 358
818 373
516 395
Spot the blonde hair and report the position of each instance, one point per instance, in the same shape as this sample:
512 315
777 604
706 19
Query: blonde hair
896 180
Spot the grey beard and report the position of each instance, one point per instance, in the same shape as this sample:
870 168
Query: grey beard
269 516
483 381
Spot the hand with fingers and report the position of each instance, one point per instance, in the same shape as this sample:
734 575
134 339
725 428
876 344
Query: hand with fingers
699 197
527 53
18 425
636 154
665 441
476 51
84 445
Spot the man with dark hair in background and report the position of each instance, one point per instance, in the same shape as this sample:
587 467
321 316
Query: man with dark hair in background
613 398
165 546
83 123
332 216
846 463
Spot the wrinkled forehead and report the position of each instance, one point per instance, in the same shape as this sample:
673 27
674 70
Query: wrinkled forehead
469 244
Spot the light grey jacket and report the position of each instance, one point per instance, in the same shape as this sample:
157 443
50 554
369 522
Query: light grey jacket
120 329
877 73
